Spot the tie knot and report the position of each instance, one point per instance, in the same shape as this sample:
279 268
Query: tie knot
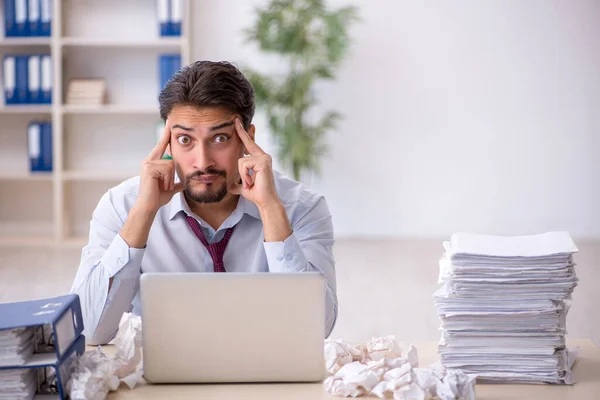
216 250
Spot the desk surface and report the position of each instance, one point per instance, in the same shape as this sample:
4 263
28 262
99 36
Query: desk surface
586 372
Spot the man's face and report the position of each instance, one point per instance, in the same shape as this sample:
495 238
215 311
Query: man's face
205 148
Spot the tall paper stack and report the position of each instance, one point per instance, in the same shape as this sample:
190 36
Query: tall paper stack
503 306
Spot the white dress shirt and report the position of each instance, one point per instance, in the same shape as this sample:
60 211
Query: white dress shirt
172 246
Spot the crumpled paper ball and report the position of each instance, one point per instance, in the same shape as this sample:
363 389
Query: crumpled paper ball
95 373
379 368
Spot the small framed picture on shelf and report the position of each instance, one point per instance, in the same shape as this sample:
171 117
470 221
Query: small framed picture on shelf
88 92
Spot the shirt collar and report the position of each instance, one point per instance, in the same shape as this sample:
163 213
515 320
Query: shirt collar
178 204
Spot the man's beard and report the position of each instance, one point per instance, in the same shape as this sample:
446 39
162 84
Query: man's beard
212 194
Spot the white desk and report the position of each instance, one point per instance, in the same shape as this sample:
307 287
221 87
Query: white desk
586 372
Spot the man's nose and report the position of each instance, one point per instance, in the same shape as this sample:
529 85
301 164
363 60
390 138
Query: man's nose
202 158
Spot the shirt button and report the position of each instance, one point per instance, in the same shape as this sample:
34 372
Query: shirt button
279 258
120 261
289 257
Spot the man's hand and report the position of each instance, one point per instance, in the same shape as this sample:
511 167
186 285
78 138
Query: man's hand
259 187
157 176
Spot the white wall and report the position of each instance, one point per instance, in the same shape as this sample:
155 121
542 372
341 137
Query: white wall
462 115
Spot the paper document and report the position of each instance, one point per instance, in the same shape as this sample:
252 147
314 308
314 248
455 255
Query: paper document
503 303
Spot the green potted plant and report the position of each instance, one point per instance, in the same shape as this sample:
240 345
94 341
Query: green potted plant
313 42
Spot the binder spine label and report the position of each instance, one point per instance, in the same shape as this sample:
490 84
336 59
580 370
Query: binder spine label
9 76
34 79
163 16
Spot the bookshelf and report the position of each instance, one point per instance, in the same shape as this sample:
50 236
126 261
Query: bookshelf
93 147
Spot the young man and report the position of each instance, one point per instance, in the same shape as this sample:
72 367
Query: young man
217 205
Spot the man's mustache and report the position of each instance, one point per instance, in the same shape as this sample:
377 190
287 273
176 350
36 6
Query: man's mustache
210 171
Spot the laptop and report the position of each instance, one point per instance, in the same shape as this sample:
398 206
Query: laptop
233 327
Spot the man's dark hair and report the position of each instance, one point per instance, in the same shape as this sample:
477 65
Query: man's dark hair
212 84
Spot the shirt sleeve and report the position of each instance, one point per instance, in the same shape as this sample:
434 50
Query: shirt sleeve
309 248
106 256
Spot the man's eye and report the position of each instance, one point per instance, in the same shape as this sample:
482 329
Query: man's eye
183 139
221 139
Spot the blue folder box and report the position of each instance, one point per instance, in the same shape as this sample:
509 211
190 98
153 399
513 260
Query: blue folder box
54 328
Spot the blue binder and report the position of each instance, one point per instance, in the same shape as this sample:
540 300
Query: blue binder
22 81
46 146
34 146
21 23
168 65
34 71
175 60
163 68
175 16
53 329
9 72
45 17
163 17
10 23
33 18
46 81
62 314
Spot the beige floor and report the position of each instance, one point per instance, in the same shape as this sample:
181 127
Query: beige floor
384 286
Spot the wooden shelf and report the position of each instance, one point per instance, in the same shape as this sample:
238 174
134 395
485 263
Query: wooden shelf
159 43
111 109
25 176
26 109
25 41
84 138
98 176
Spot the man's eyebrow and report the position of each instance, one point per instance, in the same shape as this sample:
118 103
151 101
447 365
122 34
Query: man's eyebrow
185 128
221 126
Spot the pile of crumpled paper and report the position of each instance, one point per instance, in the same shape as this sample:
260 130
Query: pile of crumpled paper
375 368
95 373
379 368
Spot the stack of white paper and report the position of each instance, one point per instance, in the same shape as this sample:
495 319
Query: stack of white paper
17 384
503 306
16 346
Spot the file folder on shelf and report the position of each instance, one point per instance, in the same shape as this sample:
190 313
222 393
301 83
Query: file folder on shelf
33 18
168 65
38 341
22 78
23 18
45 17
27 79
163 17
46 147
21 23
34 79
46 79
10 22
34 146
9 72
176 15
170 15
175 63
39 145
